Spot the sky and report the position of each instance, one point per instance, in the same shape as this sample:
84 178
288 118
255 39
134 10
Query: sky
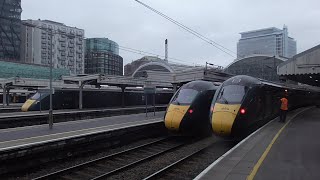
132 25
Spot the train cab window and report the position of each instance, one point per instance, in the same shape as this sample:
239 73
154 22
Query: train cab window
184 96
231 94
37 96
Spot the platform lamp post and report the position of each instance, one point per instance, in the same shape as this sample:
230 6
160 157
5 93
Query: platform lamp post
50 76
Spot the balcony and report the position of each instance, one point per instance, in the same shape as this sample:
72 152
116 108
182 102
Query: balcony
62 30
72 32
62 39
71 59
79 33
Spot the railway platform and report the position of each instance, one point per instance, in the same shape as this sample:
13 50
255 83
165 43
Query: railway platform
276 151
40 134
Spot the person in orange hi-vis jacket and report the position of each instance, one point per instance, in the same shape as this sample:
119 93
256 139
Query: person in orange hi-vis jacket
283 107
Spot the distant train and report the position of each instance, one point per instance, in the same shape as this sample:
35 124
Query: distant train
188 110
242 104
93 98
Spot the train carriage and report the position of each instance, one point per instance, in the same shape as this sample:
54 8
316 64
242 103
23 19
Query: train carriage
243 104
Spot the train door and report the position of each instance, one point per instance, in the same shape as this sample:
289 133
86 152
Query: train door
260 113
268 106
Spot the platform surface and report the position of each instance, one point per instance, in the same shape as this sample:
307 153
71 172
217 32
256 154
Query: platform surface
28 135
288 150
66 111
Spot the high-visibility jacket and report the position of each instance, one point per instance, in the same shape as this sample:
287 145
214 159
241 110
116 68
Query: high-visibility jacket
284 104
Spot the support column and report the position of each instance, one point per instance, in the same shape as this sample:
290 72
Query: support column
4 95
8 96
123 88
174 87
80 94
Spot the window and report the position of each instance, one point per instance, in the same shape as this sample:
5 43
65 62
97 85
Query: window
184 96
231 94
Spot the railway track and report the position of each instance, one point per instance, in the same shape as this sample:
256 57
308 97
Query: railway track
116 163
188 161
185 167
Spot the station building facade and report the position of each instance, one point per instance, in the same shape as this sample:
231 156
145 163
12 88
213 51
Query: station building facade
259 66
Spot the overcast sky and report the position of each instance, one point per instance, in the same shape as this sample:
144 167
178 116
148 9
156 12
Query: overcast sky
132 25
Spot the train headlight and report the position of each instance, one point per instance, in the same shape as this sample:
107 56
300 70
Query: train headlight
242 111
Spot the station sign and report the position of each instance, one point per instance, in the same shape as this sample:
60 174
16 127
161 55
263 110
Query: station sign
149 90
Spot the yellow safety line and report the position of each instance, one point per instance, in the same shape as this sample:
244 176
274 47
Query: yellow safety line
265 153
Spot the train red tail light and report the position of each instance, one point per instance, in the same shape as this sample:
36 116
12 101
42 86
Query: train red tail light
190 111
242 111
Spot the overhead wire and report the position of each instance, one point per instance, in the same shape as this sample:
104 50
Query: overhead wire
195 33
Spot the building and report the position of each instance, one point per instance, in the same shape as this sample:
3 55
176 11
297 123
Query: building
303 67
270 41
130 68
102 57
12 70
259 66
10 22
66 50
150 63
161 70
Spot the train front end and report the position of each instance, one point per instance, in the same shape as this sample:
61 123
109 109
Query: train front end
188 109
227 110
33 103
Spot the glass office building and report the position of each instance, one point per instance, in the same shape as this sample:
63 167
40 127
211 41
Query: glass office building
11 70
10 22
102 57
270 41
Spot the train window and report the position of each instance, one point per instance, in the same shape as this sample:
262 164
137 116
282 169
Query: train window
184 96
231 94
37 96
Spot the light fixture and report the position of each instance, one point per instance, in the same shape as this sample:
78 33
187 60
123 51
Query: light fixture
310 77
139 87
316 80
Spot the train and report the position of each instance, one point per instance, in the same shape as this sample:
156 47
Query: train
242 104
188 110
68 98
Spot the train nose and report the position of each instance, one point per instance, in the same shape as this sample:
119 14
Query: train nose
174 116
223 118
25 107
222 123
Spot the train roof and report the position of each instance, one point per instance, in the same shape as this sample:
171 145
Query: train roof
200 85
249 81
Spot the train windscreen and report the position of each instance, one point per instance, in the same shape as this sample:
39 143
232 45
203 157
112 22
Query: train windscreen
231 94
37 96
184 96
